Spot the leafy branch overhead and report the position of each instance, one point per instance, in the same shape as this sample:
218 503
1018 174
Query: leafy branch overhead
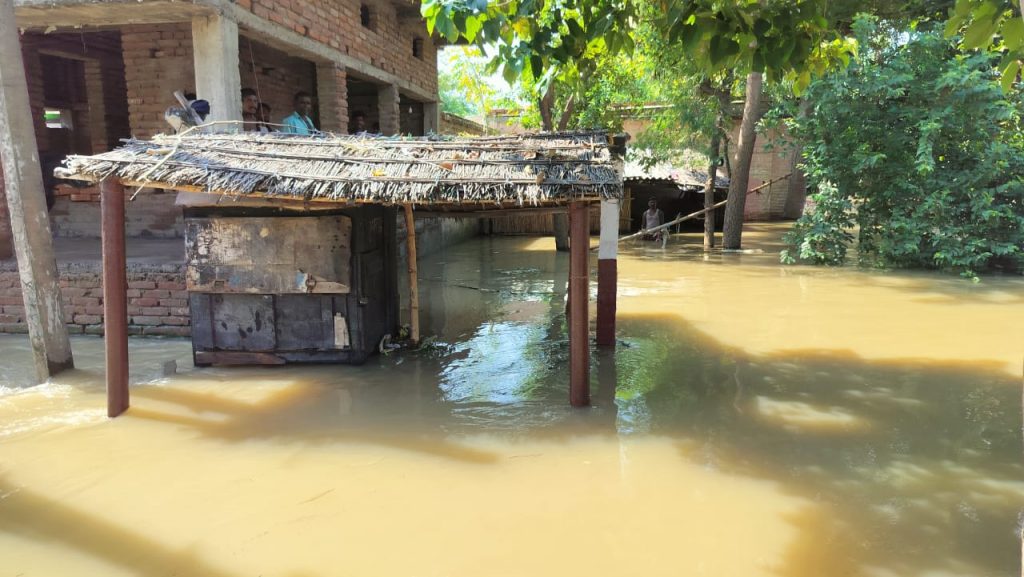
996 25
785 40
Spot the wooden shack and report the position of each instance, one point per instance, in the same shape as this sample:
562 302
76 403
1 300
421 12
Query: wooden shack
269 286
291 239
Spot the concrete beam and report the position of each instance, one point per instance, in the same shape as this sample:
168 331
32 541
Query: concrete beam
44 14
215 42
389 112
299 45
431 117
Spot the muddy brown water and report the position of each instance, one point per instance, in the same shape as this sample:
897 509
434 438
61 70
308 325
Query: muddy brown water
754 420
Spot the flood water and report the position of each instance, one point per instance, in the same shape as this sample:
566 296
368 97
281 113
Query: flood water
755 420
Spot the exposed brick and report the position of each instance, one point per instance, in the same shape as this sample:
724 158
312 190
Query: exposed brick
141 284
154 311
144 302
87 319
147 321
176 320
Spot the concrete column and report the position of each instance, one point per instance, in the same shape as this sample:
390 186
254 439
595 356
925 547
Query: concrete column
26 203
215 50
97 106
332 97
431 117
607 272
388 109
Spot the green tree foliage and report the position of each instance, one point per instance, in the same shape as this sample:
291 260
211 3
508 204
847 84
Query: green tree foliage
466 86
996 25
917 148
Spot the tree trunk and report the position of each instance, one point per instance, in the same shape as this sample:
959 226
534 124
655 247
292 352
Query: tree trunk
546 103
570 108
561 219
732 235
709 190
26 202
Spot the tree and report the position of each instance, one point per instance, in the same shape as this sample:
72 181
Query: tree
917 149
997 25
781 40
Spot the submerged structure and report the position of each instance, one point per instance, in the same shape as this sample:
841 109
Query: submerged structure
290 240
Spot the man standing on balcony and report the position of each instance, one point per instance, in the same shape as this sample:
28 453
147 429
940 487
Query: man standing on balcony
299 122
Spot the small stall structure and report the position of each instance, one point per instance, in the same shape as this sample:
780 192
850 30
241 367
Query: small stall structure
291 251
678 190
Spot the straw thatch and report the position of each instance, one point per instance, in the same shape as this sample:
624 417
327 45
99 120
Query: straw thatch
525 170
637 169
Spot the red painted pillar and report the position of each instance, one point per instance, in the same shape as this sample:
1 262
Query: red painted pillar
607 273
579 297
115 295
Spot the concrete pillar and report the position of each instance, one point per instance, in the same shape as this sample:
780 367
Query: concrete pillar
431 117
6 240
607 272
97 106
388 109
332 96
215 50
26 203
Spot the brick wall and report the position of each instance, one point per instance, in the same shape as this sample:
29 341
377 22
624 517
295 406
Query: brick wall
275 75
76 214
335 23
157 301
772 159
158 61
332 97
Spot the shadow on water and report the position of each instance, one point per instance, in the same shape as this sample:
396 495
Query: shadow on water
38 518
916 463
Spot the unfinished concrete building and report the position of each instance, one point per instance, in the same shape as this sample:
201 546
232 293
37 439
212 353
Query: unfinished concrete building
100 71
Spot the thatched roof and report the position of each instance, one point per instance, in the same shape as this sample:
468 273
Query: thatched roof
527 170
638 170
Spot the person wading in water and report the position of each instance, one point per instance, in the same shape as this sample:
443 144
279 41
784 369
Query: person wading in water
653 218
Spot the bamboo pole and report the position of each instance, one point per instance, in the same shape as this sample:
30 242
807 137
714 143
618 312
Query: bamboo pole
26 203
414 291
694 215
115 295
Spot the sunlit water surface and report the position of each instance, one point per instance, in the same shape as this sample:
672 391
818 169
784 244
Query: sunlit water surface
754 420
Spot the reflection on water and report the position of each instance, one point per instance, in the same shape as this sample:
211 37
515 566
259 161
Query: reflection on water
754 420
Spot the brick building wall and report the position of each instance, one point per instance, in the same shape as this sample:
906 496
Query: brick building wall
158 61
387 44
772 159
76 214
157 301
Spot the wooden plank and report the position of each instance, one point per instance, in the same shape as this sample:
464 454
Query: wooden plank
244 322
230 358
414 290
269 255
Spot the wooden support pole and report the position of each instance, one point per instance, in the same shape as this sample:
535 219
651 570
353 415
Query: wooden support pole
115 295
607 273
414 285
26 203
579 289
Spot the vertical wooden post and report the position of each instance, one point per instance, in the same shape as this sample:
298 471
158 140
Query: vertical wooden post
579 289
414 285
115 295
26 203
607 272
